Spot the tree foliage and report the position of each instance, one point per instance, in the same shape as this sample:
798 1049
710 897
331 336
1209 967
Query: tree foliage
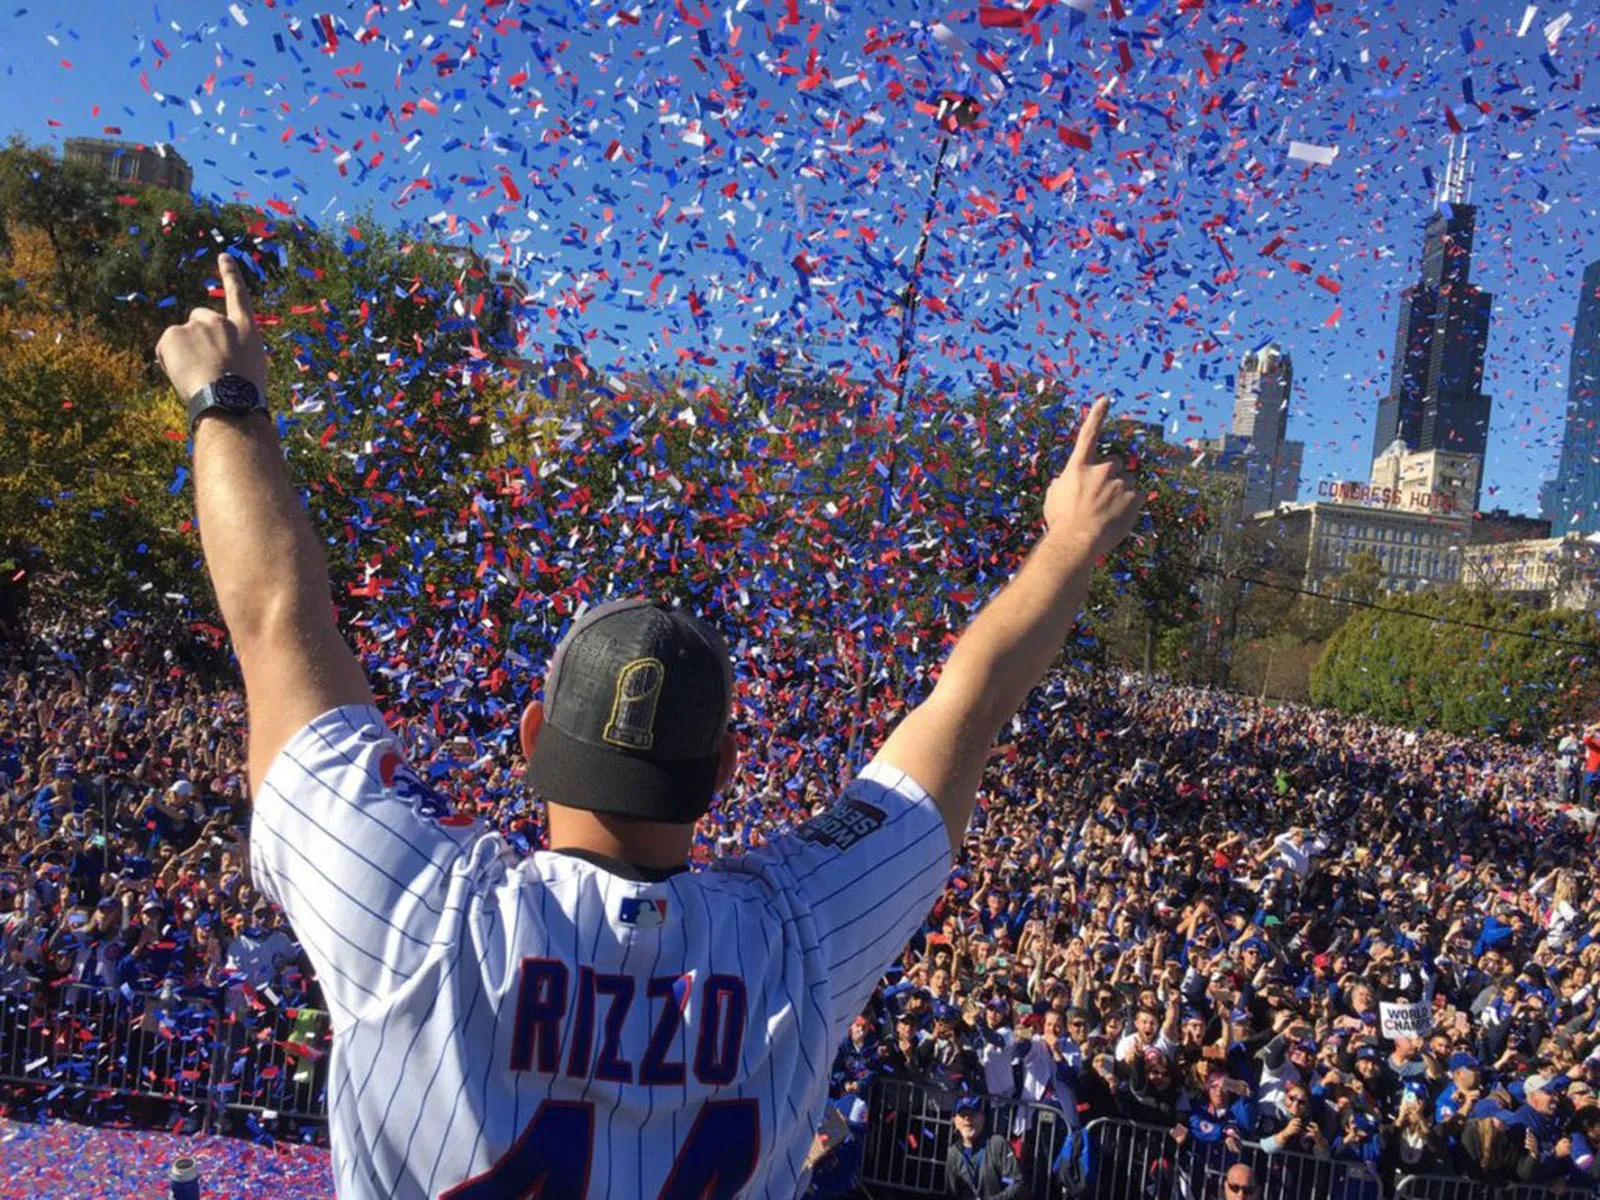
1412 671
69 203
89 458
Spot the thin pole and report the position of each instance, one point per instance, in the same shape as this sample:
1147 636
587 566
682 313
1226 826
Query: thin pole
909 301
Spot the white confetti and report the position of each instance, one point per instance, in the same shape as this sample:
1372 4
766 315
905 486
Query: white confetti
1311 153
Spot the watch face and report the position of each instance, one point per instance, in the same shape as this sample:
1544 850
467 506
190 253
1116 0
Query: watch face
235 393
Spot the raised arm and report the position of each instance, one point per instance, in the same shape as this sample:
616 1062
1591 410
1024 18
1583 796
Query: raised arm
265 563
944 742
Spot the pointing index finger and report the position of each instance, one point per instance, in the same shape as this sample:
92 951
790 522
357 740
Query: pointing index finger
236 298
1089 431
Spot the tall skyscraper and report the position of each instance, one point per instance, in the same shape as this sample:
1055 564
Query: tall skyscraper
1572 498
1261 393
1435 399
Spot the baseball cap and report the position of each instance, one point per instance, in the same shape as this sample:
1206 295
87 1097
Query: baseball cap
1538 1083
969 1104
1461 1060
636 702
181 787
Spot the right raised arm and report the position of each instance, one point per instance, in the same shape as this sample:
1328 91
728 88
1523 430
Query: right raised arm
944 742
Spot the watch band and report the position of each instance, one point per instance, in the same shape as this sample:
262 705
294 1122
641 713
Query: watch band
230 395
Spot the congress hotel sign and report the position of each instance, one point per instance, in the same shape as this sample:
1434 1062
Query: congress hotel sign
1398 499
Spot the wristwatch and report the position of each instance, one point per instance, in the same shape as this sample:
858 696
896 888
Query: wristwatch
231 395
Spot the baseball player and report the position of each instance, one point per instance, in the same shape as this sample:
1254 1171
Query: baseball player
594 1020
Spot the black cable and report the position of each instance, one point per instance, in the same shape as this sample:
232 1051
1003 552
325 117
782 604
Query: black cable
1397 611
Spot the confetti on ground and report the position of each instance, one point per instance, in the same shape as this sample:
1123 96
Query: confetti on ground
70 1162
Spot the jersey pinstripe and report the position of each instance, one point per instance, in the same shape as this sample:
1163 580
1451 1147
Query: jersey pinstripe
473 996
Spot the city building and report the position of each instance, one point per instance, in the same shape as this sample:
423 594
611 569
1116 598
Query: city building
1416 548
1261 393
155 163
1413 516
1554 572
1572 498
1256 448
1436 399
1503 525
1419 480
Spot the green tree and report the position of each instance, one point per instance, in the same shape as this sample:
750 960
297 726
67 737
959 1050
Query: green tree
161 262
88 463
1449 673
69 203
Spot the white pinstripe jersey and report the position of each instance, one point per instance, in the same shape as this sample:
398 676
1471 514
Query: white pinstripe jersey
554 1028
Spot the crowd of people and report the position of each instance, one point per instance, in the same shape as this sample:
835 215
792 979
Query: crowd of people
1247 925
1265 929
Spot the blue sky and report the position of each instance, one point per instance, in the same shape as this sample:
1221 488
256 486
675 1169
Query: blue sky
686 183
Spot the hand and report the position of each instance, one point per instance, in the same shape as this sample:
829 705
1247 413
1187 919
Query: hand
210 344
1531 1143
1180 1133
1564 1147
1092 499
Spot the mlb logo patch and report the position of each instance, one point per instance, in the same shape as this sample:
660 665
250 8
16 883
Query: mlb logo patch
642 912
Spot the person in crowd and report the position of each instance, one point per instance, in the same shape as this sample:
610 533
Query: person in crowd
1591 765
980 1165
1239 1182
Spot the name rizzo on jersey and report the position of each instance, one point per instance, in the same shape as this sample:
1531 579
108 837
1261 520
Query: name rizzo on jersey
557 1025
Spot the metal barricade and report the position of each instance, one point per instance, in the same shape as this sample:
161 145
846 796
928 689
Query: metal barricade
160 1060
1287 1175
92 1050
1535 1191
275 1067
1441 1187
1148 1163
1144 1161
910 1130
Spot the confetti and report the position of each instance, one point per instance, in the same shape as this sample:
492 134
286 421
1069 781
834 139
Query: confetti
1322 156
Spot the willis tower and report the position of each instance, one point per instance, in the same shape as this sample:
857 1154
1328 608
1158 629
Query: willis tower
1435 399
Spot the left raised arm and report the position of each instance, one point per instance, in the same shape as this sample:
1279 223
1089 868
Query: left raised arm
262 554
